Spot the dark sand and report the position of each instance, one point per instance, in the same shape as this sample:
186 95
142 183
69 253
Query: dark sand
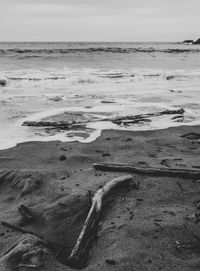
138 229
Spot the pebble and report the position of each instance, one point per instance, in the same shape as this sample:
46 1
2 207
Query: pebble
62 157
2 82
111 262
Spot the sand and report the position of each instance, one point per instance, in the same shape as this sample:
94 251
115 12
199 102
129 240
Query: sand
139 228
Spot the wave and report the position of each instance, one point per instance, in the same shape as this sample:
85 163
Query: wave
93 76
70 80
41 52
36 79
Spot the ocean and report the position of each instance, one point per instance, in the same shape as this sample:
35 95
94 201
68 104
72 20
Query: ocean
90 83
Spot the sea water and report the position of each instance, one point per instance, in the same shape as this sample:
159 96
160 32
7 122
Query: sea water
99 79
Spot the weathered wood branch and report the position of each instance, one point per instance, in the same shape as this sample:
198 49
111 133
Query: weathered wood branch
168 172
79 254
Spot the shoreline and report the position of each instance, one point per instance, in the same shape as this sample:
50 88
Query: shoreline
87 126
138 228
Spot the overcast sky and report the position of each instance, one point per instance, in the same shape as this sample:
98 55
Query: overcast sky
99 20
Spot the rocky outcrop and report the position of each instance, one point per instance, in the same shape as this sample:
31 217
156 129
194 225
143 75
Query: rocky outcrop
127 120
3 82
197 41
119 120
191 41
188 41
60 125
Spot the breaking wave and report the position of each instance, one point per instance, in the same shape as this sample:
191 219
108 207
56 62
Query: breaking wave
95 76
130 50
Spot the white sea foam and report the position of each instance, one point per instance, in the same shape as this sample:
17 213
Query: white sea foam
35 94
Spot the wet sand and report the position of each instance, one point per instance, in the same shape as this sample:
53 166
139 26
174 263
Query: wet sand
139 228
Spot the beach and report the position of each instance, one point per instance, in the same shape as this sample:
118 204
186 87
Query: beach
153 227
99 156
99 135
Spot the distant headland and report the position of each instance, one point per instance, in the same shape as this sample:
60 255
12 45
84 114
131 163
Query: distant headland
192 42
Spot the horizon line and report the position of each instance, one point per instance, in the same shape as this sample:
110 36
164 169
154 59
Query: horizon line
51 41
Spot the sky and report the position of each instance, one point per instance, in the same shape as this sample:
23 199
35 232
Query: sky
99 20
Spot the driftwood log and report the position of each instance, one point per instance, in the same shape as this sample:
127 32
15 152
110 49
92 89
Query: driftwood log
79 254
168 172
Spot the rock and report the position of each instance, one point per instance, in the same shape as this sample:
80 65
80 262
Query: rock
191 41
191 136
107 102
164 162
139 199
171 112
169 77
198 206
197 217
62 178
3 82
62 157
131 217
56 98
105 154
111 262
126 120
128 139
59 125
188 41
197 41
176 91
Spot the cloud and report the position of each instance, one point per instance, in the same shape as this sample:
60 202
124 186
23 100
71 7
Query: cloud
99 20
